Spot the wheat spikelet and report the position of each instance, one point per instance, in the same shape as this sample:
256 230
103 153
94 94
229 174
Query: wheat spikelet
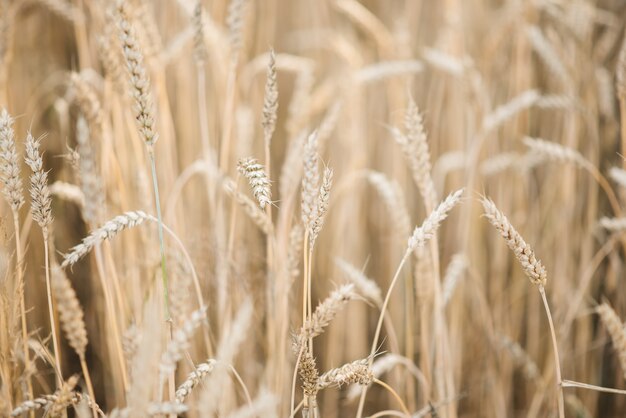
166 408
533 268
358 372
618 175
444 62
308 374
9 163
90 183
453 273
556 152
39 192
67 191
234 21
258 216
415 147
520 357
105 232
310 182
180 342
139 81
46 401
363 284
614 326
548 54
270 101
255 173
427 230
322 205
70 312
197 21
64 398
613 224
193 379
508 110
131 338
326 312
88 101
294 254
387 69
236 334
393 198
264 406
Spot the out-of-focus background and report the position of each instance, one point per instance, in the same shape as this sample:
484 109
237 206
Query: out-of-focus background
406 101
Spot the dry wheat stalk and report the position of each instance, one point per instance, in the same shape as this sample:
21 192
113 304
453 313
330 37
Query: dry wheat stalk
423 233
322 205
64 9
358 372
39 192
270 101
9 163
180 342
139 80
614 326
533 268
365 286
70 312
255 173
193 379
105 232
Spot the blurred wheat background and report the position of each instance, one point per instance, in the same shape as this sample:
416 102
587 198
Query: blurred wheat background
312 208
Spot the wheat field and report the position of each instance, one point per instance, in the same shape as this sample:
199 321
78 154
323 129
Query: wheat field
295 208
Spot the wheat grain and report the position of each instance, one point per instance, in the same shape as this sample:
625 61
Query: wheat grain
39 192
9 163
70 312
255 173
358 372
105 232
194 379
270 101
614 326
365 286
533 267
322 205
423 233
180 342
138 79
